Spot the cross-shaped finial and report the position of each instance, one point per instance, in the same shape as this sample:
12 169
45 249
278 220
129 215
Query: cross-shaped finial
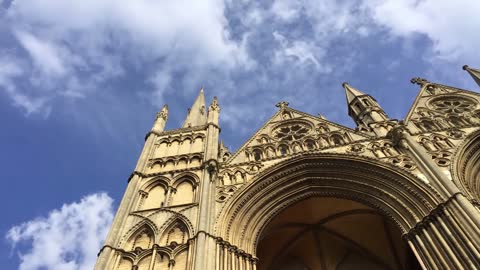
282 105
419 81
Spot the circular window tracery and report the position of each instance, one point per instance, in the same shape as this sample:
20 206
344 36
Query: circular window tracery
291 132
454 105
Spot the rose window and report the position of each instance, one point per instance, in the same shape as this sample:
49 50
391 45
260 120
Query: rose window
453 105
292 132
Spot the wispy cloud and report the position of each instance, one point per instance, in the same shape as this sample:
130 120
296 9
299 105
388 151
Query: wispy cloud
45 55
241 50
69 238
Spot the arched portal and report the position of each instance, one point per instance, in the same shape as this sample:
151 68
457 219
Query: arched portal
395 196
466 168
330 233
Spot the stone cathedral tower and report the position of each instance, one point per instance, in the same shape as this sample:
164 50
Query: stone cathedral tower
306 193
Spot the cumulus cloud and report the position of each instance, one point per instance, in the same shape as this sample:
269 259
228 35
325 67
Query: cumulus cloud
69 238
77 48
450 25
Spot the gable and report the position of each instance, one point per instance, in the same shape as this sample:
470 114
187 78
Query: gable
292 131
440 107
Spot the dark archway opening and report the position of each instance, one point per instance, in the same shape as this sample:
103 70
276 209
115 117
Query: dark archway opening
327 233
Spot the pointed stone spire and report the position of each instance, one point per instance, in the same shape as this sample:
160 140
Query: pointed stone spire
351 93
475 73
365 111
197 115
161 120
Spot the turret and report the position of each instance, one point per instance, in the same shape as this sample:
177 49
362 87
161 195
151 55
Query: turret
161 120
365 111
197 115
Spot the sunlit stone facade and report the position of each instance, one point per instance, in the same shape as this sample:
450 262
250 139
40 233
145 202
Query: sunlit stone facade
306 193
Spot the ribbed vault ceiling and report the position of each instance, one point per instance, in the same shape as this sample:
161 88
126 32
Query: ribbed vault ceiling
331 233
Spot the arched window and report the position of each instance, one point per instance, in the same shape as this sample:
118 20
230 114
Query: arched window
337 139
257 155
283 150
182 163
161 261
176 234
310 144
155 197
144 263
125 264
181 260
183 194
185 146
143 239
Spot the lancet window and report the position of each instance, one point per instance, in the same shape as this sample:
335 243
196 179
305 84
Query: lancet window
183 192
154 197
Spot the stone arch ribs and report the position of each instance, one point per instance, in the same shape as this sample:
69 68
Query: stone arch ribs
395 193
466 168
429 221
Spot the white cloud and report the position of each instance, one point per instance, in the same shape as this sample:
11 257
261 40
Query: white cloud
68 238
45 55
452 26
180 45
95 41
304 53
11 69
286 9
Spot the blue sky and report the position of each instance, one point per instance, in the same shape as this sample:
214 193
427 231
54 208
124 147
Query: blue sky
81 81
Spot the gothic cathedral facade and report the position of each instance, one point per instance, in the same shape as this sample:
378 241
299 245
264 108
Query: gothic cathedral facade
306 193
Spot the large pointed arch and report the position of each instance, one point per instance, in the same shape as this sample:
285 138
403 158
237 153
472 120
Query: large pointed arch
396 193
466 167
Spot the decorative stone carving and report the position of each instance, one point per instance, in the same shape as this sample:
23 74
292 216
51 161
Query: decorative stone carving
403 161
456 134
442 158
291 132
282 105
452 104
214 106
356 148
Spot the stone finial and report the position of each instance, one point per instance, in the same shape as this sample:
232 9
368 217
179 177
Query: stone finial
163 113
214 105
419 81
282 105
